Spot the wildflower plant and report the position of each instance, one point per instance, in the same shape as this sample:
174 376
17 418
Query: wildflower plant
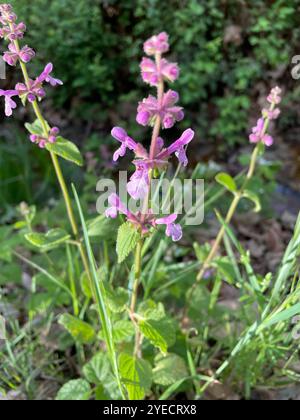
143 345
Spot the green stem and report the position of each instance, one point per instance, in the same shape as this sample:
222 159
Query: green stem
232 209
137 275
58 172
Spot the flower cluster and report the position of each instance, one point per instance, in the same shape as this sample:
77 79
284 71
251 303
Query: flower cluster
31 90
42 141
259 132
160 112
144 221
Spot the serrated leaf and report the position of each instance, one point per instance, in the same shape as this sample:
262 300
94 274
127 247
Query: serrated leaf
117 299
160 333
227 181
66 150
36 127
254 198
75 390
169 369
123 330
97 369
127 239
136 375
50 240
80 330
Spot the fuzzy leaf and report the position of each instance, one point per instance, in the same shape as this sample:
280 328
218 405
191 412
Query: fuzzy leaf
97 369
117 298
66 150
136 375
76 390
80 330
161 333
50 240
169 369
127 239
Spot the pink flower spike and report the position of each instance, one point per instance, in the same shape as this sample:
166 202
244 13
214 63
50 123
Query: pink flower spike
173 230
157 44
126 142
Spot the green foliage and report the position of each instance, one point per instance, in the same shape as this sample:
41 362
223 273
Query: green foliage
223 51
50 240
76 390
127 239
136 375
80 331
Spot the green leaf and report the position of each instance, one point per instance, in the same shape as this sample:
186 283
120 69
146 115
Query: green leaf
169 369
227 181
127 239
160 333
80 330
136 375
254 198
117 299
97 369
50 240
36 127
76 390
103 227
66 149
123 331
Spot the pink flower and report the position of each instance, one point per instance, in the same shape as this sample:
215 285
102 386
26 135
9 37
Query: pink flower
138 186
35 89
173 230
150 108
271 115
143 221
41 141
10 104
126 142
178 147
151 74
275 96
258 135
118 207
11 57
157 44
45 76
17 31
7 14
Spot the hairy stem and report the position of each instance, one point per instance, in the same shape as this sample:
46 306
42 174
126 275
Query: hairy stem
232 208
58 172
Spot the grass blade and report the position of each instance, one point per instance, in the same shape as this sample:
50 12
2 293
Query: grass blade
100 299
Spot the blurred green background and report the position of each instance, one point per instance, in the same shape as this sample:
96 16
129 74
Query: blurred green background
230 54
